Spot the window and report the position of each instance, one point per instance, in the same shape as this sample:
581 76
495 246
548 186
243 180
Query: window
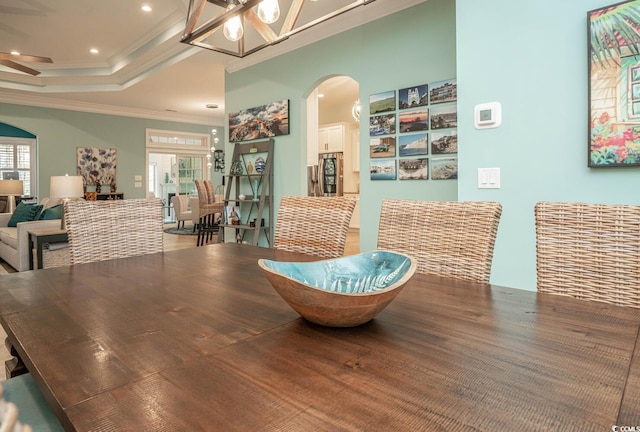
18 155
634 93
176 139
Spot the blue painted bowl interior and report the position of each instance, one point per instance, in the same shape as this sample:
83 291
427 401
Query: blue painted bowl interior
362 273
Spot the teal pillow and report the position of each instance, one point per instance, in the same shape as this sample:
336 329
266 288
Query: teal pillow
24 213
54 212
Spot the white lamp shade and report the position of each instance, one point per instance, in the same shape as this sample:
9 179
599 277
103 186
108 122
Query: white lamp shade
11 187
66 187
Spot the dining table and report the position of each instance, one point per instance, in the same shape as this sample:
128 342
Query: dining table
198 340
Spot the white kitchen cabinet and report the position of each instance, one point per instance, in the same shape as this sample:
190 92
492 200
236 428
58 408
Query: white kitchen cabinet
331 138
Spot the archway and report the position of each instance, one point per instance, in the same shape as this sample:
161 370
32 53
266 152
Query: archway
333 128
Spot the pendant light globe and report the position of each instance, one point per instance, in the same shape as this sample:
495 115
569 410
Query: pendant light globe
232 29
269 11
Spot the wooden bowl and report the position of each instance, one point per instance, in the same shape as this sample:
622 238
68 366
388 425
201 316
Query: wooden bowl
341 292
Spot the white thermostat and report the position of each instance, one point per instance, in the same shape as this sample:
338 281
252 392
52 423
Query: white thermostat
487 115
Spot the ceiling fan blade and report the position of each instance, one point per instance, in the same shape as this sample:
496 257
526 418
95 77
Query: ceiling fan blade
24 57
19 67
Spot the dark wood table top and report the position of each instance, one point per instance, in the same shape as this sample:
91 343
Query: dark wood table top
197 339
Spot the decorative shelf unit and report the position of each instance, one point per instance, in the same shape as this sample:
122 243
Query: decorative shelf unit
256 207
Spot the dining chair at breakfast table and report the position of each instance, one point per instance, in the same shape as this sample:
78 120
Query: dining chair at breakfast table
313 225
589 251
448 238
110 229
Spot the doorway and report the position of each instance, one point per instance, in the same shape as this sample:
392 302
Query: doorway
172 174
333 107
174 161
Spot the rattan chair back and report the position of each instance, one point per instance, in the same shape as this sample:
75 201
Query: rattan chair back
203 195
589 251
207 205
313 225
211 196
447 238
104 230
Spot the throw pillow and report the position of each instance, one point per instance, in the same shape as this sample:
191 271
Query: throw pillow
54 212
24 213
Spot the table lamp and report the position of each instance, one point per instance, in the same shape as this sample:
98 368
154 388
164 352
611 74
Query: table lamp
11 188
66 187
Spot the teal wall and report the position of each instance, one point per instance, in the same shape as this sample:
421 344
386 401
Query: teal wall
532 57
412 47
60 132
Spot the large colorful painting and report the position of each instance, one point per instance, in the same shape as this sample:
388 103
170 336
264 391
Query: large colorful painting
265 121
96 165
614 85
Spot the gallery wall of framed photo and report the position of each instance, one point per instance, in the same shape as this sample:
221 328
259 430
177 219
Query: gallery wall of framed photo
413 132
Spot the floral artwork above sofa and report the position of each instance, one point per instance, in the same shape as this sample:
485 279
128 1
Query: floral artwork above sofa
97 165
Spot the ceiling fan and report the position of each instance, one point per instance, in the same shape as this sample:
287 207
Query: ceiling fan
10 59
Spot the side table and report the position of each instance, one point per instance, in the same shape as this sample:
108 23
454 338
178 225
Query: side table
39 237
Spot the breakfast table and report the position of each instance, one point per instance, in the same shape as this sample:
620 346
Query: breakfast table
197 339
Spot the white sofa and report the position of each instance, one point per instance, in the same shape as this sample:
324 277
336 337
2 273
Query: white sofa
14 242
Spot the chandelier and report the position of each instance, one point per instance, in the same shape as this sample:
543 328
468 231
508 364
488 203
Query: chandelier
247 26
355 110
218 155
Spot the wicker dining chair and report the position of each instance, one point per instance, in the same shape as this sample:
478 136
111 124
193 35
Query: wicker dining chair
207 209
589 251
313 225
208 185
448 238
104 230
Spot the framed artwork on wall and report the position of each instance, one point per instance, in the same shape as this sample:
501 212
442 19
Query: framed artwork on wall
382 102
413 145
444 168
383 169
443 91
382 124
413 169
413 121
413 97
444 142
97 166
265 121
444 116
614 85
382 147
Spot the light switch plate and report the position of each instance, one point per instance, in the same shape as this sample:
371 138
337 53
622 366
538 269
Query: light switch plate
137 178
488 178
138 184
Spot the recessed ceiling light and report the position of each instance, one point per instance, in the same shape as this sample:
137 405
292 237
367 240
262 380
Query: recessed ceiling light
146 8
94 51
15 53
320 95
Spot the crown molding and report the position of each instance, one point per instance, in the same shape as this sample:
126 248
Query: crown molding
47 102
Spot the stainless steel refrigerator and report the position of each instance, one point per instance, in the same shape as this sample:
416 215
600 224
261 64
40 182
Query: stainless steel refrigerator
330 174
